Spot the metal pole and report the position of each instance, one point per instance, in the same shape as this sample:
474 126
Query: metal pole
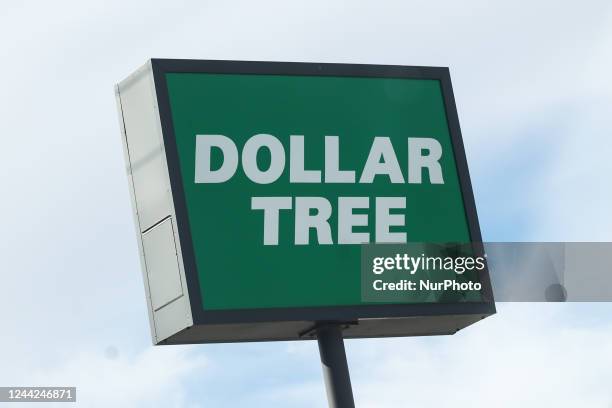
335 366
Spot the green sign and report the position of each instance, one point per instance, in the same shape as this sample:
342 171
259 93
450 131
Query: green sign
282 173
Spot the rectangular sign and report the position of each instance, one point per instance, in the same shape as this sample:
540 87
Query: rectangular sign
258 186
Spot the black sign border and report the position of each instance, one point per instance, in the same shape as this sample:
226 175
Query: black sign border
161 67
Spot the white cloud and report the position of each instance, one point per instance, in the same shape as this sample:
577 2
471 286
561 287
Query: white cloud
154 377
571 199
527 355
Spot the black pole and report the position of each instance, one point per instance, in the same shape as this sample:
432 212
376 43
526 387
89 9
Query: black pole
335 366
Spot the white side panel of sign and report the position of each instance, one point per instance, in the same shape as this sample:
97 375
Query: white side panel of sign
158 241
162 264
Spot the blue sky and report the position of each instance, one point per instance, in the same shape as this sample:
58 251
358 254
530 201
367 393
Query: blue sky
534 96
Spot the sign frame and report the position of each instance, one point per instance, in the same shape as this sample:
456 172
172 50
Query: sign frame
262 321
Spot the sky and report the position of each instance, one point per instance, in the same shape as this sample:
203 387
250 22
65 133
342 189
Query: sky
534 95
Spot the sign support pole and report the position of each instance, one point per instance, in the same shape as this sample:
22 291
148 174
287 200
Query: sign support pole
335 366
